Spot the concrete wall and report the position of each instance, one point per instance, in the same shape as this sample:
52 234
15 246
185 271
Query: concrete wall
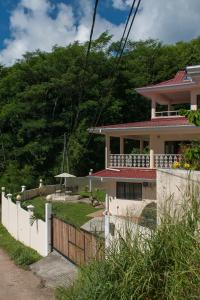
20 225
124 207
158 141
174 187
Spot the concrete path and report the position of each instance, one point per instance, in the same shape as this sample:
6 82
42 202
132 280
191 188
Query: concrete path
55 270
18 284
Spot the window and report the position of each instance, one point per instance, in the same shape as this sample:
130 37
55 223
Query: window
131 191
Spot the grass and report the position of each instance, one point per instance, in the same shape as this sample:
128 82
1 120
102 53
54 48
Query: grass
164 265
97 194
74 213
22 256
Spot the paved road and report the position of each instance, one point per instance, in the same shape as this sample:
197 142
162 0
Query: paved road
18 284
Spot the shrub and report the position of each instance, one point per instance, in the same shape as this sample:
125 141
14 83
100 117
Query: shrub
162 266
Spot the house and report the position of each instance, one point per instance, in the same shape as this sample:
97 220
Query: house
129 176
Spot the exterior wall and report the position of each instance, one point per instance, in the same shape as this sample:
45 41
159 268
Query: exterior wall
122 226
173 187
158 141
20 225
124 207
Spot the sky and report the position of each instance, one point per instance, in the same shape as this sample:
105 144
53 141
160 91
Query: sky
27 25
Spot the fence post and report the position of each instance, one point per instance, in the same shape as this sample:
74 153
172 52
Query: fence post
107 224
48 220
9 197
90 180
41 183
18 203
31 213
3 192
23 188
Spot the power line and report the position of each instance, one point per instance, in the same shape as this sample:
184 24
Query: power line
121 53
86 63
127 36
127 21
91 32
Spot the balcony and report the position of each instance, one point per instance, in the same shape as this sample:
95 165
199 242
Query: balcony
143 160
167 113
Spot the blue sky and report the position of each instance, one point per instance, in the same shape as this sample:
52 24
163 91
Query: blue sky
27 25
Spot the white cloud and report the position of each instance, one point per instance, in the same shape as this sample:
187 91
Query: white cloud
169 21
38 24
33 26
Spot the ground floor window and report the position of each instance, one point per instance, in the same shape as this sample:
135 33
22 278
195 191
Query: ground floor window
131 191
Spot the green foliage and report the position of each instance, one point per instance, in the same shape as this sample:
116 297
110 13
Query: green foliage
22 255
163 265
41 99
97 194
191 155
74 213
192 115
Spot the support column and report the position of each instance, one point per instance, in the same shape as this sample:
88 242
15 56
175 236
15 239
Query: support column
107 223
153 108
48 220
151 148
121 145
107 152
193 100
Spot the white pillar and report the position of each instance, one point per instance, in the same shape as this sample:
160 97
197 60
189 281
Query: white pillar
48 220
41 183
3 205
3 191
107 151
31 213
121 145
151 148
153 108
23 188
107 223
90 180
18 203
193 100
9 197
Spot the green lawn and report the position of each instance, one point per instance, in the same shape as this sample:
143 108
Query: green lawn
23 256
74 213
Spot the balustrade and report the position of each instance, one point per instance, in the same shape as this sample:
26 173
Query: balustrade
143 160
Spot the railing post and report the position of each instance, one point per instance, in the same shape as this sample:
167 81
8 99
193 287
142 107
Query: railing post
107 152
48 220
107 223
152 165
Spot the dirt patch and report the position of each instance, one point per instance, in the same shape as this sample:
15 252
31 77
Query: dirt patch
18 284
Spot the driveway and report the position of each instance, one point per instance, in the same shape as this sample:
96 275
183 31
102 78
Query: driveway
18 284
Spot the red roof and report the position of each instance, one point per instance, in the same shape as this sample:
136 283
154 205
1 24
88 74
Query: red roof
128 173
173 121
179 78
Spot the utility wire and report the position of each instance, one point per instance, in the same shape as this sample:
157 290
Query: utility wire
127 36
82 79
127 21
120 53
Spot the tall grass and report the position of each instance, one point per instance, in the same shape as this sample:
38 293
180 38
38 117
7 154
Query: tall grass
164 265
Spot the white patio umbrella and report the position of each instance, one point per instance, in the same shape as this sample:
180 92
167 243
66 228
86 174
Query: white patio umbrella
65 176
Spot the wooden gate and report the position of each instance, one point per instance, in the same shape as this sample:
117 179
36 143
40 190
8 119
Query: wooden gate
77 245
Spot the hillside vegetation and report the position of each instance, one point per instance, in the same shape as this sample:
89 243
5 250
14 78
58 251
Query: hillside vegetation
45 95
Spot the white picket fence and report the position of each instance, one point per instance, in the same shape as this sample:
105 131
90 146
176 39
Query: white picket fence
22 225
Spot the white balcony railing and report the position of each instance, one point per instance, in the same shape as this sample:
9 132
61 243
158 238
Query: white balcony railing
167 113
166 160
129 160
143 160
